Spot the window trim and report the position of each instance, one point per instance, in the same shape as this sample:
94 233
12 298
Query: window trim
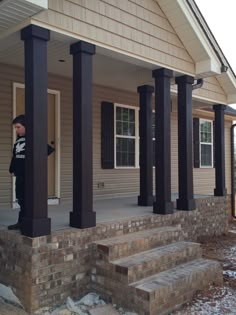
207 143
154 112
136 137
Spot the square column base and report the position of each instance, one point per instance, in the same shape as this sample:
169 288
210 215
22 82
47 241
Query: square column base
36 227
165 208
145 201
186 204
82 220
220 192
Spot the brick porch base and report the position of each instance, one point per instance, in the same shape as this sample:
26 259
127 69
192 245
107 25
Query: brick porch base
45 270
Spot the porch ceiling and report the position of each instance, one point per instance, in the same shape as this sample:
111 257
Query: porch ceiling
13 12
109 68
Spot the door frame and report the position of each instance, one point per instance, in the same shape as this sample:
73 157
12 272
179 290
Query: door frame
57 94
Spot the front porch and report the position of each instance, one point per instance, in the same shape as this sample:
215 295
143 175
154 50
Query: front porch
107 210
79 163
45 270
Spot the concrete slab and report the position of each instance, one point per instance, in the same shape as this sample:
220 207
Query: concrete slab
107 210
104 310
8 309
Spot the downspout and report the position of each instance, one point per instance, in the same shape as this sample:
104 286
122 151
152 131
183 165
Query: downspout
232 172
198 85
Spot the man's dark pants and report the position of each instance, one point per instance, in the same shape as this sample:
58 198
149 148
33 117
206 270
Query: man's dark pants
20 196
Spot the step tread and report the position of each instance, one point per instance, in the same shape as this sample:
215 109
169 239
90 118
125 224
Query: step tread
136 235
171 276
153 254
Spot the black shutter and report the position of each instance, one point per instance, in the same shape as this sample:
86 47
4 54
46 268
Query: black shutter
196 143
107 135
214 141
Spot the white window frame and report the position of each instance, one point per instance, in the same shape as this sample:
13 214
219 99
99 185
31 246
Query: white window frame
136 137
207 143
153 112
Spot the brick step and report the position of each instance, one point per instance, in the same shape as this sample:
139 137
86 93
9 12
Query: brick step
162 293
133 243
147 263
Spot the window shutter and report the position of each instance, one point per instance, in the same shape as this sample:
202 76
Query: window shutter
196 143
214 141
107 135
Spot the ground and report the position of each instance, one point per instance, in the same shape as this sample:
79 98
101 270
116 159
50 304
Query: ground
215 301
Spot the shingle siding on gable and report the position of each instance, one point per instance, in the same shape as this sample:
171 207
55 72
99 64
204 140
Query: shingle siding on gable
133 27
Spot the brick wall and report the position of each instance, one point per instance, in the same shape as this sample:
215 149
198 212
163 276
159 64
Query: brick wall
45 270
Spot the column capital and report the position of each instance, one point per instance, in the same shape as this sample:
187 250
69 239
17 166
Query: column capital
34 31
145 89
187 79
218 107
162 72
82 47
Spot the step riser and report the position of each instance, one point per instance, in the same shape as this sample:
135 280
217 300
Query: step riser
166 300
152 272
149 268
117 251
131 274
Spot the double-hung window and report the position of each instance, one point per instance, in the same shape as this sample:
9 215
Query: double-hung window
126 136
206 143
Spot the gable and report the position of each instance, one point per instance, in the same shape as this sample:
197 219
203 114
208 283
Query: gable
137 28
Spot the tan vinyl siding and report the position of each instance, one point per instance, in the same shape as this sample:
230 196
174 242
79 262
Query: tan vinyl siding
211 90
118 182
137 28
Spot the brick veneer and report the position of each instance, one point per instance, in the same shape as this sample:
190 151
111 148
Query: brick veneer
45 270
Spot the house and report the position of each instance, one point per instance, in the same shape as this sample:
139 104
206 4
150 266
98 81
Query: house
135 93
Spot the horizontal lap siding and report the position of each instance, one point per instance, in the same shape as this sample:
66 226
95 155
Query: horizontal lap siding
134 27
117 182
211 90
7 76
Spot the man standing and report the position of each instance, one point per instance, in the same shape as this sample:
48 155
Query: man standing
17 166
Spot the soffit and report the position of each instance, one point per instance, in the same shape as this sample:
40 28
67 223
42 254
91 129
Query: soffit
13 12
192 36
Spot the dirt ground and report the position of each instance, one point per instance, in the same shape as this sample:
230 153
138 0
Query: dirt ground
217 300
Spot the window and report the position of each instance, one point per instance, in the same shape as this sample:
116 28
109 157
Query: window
126 136
206 143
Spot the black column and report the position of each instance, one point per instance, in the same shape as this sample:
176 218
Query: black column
82 215
185 143
163 204
146 148
36 223
220 189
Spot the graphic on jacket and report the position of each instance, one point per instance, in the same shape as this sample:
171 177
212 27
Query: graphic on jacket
17 166
20 147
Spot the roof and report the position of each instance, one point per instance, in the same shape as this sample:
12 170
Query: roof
229 111
194 32
210 36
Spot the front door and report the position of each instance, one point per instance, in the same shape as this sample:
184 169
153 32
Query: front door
20 109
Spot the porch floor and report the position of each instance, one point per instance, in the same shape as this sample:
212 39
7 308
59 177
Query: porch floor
107 210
